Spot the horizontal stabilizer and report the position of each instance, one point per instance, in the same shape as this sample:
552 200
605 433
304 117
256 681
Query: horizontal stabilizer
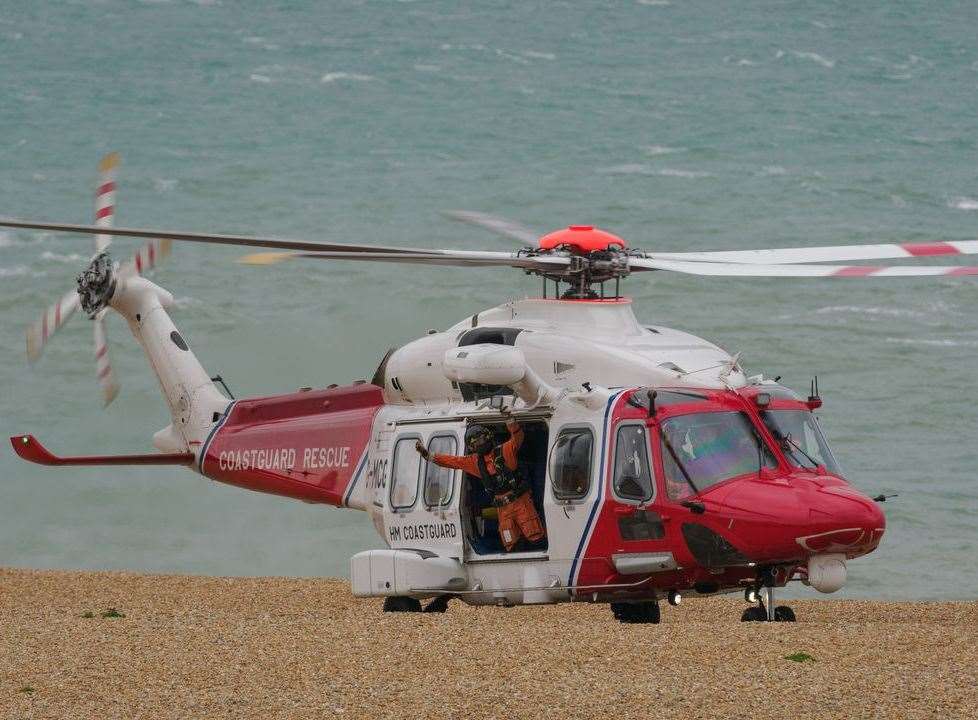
30 449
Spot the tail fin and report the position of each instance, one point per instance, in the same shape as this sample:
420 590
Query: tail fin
193 399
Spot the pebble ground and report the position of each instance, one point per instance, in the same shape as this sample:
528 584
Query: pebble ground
203 647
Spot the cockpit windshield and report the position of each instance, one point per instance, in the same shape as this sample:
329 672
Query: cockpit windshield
703 449
801 439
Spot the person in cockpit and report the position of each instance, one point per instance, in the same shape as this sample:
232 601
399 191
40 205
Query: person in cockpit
495 466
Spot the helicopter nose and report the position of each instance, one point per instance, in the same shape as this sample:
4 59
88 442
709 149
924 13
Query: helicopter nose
842 520
794 518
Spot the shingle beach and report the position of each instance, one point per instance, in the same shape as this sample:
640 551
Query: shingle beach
116 645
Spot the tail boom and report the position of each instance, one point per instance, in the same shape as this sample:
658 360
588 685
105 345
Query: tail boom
310 446
189 392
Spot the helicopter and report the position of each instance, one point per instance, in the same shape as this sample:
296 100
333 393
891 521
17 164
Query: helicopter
658 467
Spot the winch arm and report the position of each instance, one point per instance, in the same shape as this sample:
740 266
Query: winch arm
29 448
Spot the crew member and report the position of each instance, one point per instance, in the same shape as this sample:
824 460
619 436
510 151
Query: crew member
495 466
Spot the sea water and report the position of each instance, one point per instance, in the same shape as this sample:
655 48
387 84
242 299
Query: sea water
677 125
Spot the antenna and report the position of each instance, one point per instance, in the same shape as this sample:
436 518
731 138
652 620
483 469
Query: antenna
814 400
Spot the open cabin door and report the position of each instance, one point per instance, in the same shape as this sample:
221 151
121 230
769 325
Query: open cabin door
480 515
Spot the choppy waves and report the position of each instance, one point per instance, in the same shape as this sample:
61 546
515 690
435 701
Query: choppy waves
642 169
964 203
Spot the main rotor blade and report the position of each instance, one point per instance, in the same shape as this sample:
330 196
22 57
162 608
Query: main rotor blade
276 243
499 225
829 253
459 258
795 270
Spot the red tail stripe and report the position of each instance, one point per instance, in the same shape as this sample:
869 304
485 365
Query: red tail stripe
152 254
139 262
104 372
105 188
923 249
103 212
57 314
100 353
857 271
44 325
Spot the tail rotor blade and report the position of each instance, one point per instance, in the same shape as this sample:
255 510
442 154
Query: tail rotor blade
106 377
53 319
105 199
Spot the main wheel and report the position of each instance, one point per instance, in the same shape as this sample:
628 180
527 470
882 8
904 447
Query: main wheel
783 613
399 603
754 614
438 605
636 612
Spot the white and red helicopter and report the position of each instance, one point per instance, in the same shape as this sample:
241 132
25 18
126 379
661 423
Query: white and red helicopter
659 468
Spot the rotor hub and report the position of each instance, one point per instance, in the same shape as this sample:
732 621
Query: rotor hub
583 239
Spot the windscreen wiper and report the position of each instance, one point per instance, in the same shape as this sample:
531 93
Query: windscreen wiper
789 443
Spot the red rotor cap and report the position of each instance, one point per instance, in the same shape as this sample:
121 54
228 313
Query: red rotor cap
583 238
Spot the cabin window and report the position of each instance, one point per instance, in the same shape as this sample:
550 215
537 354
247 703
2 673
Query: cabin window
438 480
405 475
633 478
571 468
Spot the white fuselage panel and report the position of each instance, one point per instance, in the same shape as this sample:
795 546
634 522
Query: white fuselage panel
567 343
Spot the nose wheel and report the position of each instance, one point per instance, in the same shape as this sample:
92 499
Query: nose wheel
765 611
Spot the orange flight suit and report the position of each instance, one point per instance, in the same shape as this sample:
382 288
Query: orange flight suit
517 518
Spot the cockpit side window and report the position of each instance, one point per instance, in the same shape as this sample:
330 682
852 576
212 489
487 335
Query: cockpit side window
633 477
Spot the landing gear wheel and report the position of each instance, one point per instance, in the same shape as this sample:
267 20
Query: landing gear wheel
401 604
754 614
783 613
438 605
637 612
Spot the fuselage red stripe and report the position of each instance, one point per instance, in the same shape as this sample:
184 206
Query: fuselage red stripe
924 249
857 271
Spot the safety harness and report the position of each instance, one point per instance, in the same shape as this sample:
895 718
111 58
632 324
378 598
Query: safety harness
504 485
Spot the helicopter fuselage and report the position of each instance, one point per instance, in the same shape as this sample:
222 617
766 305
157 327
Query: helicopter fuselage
692 490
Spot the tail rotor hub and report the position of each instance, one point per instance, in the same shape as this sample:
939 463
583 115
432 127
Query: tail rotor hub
96 285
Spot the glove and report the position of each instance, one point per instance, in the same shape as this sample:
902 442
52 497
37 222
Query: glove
422 450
